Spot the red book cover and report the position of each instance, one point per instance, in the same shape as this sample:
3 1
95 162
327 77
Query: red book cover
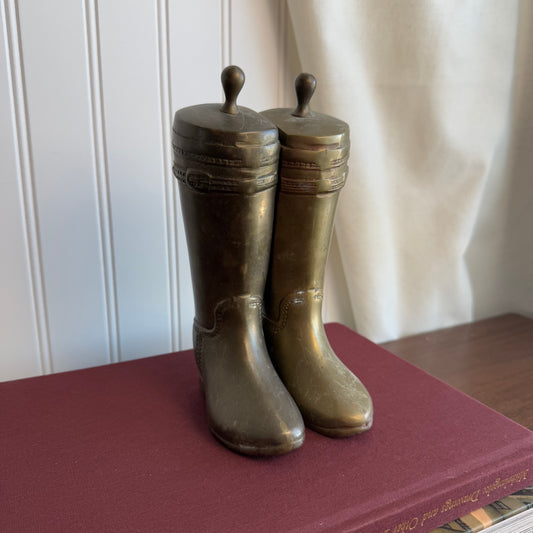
125 447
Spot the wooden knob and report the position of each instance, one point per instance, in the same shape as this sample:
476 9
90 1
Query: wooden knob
305 86
232 78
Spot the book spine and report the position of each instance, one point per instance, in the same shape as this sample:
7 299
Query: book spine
463 498
429 508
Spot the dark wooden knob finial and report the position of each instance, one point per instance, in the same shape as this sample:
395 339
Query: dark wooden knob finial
232 78
305 86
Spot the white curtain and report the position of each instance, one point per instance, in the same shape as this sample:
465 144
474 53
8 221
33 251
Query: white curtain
435 224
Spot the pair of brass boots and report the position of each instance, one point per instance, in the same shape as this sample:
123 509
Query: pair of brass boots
258 248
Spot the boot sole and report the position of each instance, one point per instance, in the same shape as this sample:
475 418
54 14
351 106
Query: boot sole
340 431
250 449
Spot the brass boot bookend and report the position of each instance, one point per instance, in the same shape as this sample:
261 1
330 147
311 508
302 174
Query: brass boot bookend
226 162
313 168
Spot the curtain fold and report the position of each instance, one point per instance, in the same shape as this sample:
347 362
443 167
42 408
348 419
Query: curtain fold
430 90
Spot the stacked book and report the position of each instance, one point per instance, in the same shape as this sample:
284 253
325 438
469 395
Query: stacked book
513 514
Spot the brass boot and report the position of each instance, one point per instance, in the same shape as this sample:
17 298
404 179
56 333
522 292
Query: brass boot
225 159
313 168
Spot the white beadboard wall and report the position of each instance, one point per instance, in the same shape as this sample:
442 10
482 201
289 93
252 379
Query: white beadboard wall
94 265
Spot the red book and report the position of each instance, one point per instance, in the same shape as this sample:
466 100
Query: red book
125 447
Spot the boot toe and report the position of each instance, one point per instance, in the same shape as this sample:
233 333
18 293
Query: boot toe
261 439
334 402
350 422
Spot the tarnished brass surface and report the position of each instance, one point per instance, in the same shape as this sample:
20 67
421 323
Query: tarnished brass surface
313 168
225 159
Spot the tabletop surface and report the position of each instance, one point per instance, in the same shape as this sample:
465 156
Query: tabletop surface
490 360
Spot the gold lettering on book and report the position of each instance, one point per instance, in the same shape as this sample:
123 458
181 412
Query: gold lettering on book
504 483
451 503
407 525
429 515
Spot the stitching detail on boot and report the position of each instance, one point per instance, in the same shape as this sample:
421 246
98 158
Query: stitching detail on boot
234 302
268 154
293 298
311 186
204 158
198 346
200 332
200 180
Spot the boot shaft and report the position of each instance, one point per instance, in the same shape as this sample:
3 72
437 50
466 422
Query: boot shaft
302 235
313 169
228 239
226 162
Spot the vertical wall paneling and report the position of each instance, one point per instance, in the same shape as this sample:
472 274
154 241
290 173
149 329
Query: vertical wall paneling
94 258
291 60
166 155
132 107
21 353
195 30
256 45
282 61
101 171
225 33
55 69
